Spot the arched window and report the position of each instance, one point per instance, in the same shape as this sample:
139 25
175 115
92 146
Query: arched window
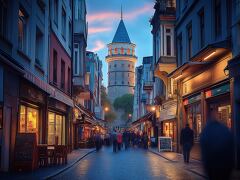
110 51
115 51
122 50
128 51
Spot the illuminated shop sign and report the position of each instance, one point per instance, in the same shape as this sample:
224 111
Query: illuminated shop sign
192 100
217 91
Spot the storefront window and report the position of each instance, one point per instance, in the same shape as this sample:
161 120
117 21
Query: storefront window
1 117
224 115
168 129
56 129
194 119
29 118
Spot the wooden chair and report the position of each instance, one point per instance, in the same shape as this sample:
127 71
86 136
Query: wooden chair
42 155
51 155
60 154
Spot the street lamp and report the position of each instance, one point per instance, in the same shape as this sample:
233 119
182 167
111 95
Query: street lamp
106 109
153 108
129 115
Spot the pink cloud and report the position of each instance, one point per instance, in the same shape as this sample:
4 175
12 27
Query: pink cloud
98 45
148 8
93 30
106 16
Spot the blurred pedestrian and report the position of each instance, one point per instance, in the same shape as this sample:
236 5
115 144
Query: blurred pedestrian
186 141
114 140
145 140
119 140
217 148
98 141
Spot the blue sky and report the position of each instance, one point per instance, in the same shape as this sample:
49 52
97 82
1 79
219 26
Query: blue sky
103 17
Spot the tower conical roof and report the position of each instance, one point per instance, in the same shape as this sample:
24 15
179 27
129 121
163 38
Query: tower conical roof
121 35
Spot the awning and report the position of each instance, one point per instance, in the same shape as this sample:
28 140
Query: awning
168 111
146 117
210 54
89 116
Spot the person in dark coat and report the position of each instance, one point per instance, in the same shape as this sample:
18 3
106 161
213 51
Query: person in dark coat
217 149
186 141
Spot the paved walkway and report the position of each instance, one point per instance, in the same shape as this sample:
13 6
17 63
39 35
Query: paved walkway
194 166
133 164
49 172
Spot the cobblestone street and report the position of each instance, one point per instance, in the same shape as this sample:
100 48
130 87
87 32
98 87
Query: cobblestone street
131 164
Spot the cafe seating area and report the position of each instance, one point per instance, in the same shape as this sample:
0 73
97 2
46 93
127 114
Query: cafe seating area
49 155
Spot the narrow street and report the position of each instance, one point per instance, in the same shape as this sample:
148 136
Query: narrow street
131 164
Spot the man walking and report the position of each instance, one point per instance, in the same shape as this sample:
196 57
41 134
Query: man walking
186 141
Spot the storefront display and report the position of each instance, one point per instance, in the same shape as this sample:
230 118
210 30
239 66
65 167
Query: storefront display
56 129
194 118
29 120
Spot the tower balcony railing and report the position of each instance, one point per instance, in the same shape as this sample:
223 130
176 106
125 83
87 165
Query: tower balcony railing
116 55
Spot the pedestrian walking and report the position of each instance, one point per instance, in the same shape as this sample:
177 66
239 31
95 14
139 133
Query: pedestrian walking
145 140
119 140
217 148
97 141
114 140
186 141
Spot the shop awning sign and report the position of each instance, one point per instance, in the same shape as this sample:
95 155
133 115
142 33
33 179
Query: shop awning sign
218 91
192 99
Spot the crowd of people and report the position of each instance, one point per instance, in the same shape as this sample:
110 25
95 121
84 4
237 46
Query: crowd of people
125 139
120 139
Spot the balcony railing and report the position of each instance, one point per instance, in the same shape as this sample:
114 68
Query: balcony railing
116 55
148 85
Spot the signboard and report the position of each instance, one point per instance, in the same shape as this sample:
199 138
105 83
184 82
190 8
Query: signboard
25 154
217 91
192 99
164 143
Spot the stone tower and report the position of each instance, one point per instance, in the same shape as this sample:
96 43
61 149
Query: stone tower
121 61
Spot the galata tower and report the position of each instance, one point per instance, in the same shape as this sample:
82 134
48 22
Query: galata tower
121 61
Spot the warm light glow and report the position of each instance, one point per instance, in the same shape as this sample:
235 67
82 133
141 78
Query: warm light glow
178 77
153 108
210 55
106 109
130 115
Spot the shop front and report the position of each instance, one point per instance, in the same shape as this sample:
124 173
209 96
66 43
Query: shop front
32 111
167 121
58 123
84 128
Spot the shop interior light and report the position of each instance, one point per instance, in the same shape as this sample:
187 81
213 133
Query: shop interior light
210 55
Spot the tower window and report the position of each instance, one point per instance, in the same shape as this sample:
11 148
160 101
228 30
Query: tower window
122 50
122 82
128 65
115 50
115 65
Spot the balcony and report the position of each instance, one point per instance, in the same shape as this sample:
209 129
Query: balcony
81 27
125 55
148 86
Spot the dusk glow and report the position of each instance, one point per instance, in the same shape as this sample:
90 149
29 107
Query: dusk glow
103 18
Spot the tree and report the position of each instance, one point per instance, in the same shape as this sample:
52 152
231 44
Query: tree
124 103
105 102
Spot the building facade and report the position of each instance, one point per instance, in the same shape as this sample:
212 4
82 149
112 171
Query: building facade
163 28
121 61
233 68
204 87
35 95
